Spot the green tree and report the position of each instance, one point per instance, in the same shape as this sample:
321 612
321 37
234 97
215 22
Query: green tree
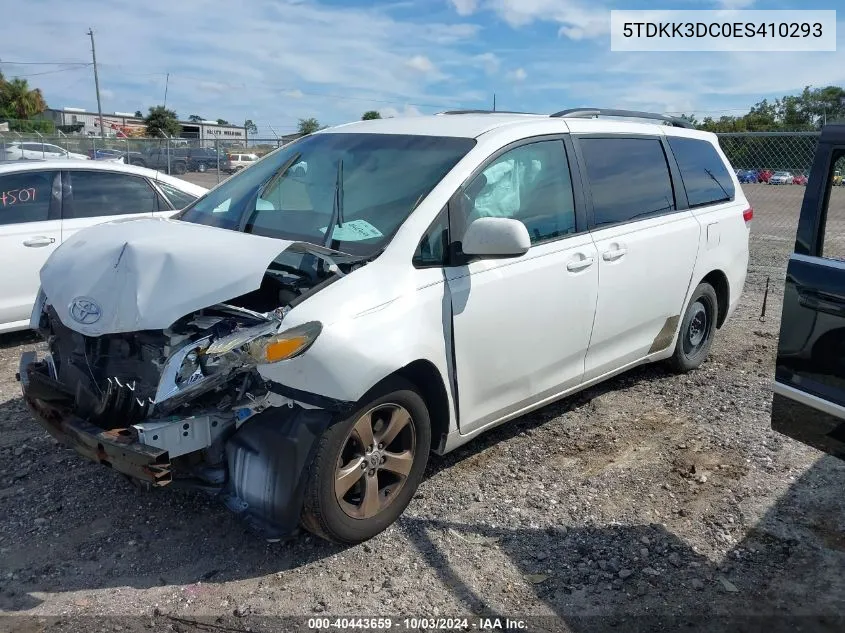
370 114
18 101
139 114
222 122
308 126
251 127
195 118
161 121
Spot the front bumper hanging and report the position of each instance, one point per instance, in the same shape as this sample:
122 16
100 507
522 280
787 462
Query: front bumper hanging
116 448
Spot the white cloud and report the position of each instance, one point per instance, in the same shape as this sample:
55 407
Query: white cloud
407 110
578 19
490 62
465 7
517 75
421 63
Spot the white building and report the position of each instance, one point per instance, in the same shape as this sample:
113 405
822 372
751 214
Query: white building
126 123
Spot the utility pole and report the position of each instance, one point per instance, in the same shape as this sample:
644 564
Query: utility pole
166 84
97 85
494 102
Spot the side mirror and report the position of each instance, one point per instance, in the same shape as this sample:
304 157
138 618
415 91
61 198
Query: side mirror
496 237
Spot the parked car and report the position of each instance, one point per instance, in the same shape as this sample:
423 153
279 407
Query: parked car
837 178
113 155
747 176
202 159
25 150
800 179
44 202
237 162
763 175
297 344
173 161
781 178
809 391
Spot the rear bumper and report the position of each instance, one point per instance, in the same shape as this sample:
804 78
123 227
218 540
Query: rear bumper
116 448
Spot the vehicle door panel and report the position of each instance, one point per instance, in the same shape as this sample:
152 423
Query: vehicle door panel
30 229
809 392
93 197
647 242
521 325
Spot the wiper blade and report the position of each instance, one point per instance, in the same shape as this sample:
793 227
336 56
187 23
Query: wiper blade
337 205
246 218
716 180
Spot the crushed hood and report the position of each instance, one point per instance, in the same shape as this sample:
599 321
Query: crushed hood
144 274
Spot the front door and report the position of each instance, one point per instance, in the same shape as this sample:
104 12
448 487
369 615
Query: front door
521 325
30 229
646 245
809 391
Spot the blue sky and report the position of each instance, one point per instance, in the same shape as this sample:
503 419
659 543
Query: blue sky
275 61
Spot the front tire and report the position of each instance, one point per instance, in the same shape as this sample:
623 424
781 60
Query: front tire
367 467
698 328
201 168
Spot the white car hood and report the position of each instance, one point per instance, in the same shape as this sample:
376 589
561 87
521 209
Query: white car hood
144 274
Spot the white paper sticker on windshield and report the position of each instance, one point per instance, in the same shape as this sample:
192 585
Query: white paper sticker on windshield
354 231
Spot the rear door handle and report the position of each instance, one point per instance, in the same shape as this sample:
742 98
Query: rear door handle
580 264
38 241
613 255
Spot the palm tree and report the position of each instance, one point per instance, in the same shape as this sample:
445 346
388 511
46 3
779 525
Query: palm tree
18 99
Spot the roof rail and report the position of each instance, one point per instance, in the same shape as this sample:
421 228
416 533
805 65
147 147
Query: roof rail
481 112
588 113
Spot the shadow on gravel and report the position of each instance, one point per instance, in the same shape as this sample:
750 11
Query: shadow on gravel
13 339
786 574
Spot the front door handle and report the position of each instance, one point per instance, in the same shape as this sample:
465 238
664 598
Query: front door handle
39 241
613 255
579 264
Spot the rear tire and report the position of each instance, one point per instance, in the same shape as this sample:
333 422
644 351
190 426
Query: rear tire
201 168
353 493
698 328
179 168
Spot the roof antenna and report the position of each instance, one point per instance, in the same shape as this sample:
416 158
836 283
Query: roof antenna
494 102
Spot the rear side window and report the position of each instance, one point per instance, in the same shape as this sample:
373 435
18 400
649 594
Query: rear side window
25 197
705 177
180 199
97 194
628 177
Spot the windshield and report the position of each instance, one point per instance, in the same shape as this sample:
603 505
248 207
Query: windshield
359 187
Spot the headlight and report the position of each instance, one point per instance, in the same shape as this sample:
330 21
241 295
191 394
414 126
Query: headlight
285 345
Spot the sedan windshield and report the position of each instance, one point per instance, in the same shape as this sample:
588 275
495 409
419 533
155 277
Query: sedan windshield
357 187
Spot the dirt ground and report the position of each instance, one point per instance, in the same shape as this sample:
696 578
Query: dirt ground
653 500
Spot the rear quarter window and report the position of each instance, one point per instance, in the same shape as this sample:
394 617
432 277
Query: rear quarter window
705 176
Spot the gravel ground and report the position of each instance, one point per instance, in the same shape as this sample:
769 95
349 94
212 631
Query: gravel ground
652 495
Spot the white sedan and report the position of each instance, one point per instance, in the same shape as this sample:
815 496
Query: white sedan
42 203
36 151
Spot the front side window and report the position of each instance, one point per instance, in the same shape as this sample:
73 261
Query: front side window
25 197
97 194
293 192
705 177
530 183
628 178
833 236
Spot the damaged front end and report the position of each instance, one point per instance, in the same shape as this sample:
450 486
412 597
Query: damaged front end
165 407
185 404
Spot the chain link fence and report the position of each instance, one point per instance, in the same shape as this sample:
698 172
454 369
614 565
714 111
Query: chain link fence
773 168
176 156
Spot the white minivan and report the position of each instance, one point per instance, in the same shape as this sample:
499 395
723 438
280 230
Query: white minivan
300 339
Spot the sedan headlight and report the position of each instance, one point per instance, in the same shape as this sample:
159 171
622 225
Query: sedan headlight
284 345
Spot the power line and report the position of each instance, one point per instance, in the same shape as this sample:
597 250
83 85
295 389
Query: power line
45 63
51 72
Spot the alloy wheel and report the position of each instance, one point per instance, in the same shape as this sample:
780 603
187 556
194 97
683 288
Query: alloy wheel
375 460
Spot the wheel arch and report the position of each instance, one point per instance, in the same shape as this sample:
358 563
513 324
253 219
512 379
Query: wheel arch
719 280
427 379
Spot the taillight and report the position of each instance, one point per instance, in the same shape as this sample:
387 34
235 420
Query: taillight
748 214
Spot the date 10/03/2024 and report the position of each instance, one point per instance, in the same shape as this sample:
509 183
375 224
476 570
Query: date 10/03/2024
415 624
15 196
